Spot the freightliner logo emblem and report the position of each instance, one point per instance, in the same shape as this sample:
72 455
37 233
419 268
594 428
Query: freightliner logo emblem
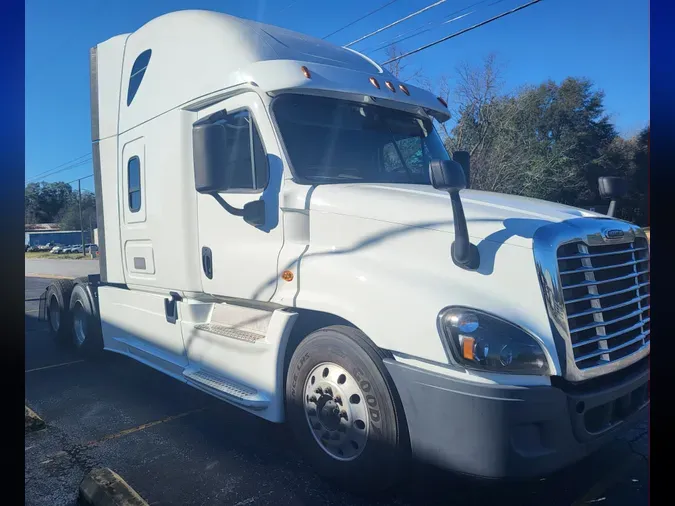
613 234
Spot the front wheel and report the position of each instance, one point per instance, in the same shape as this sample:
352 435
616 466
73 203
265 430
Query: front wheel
344 411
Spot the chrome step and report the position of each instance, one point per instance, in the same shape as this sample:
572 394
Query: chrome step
231 332
235 392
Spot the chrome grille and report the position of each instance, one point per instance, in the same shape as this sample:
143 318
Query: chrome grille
606 295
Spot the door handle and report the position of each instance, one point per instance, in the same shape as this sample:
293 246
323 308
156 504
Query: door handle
207 262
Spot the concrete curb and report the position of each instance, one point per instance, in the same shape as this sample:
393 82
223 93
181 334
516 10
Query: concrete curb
104 487
32 421
48 276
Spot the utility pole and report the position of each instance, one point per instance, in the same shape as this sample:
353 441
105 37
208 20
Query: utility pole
79 202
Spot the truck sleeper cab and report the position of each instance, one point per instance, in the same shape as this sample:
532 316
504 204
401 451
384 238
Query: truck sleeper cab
281 227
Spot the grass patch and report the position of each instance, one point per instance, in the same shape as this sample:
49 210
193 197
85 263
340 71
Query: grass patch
61 256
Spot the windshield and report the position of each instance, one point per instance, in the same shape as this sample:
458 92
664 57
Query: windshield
335 141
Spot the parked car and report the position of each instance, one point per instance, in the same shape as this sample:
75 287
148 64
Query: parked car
56 250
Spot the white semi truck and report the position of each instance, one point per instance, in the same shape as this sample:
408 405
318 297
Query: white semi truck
281 227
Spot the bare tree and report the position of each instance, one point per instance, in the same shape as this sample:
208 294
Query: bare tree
475 92
402 71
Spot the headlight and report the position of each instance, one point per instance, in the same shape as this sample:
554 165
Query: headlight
481 341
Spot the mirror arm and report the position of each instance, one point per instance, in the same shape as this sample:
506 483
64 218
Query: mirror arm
232 210
464 253
612 208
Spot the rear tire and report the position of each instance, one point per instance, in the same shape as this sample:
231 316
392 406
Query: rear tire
86 327
58 304
344 410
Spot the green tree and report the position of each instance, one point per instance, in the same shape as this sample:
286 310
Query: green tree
629 158
44 201
550 141
69 217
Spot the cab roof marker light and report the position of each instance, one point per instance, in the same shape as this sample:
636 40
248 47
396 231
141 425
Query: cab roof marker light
445 104
390 86
404 89
306 72
374 82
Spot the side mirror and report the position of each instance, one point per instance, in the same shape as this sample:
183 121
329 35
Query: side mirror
464 159
449 175
209 147
213 170
612 188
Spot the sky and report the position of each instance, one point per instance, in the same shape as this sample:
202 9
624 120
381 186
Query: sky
606 41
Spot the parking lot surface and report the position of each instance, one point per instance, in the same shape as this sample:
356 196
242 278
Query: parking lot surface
177 446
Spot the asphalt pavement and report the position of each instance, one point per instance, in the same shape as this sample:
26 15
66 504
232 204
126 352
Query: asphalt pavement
177 446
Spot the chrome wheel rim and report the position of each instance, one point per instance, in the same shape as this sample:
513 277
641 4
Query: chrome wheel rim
54 314
79 324
336 411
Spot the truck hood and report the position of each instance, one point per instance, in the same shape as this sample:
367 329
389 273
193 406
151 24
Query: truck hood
490 216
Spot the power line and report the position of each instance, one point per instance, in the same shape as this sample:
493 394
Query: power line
80 178
69 167
398 39
360 19
397 22
59 166
419 30
452 35
288 6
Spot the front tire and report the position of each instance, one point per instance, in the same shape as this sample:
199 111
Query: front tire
344 410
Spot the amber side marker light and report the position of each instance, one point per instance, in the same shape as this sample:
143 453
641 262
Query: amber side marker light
445 104
306 73
467 347
287 276
404 89
374 82
390 86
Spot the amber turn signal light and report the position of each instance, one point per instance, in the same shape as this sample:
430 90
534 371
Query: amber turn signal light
467 347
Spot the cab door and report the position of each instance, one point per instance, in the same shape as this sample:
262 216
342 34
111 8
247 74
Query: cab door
240 259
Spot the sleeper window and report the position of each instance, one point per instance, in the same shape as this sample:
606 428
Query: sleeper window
137 72
134 174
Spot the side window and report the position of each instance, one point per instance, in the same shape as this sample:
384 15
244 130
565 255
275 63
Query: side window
246 153
134 177
411 149
137 73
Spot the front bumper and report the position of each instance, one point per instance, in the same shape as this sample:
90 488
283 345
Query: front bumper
498 431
